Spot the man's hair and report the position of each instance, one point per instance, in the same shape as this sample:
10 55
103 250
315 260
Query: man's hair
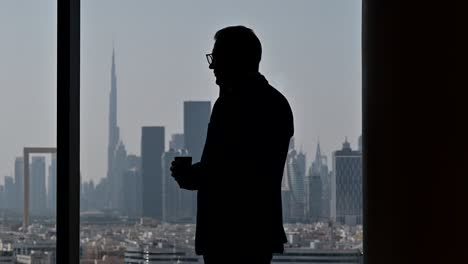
241 42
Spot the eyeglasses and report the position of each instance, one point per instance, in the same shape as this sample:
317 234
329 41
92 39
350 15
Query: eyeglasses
209 58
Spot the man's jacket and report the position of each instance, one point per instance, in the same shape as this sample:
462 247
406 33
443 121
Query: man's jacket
239 176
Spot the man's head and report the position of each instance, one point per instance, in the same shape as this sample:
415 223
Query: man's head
236 53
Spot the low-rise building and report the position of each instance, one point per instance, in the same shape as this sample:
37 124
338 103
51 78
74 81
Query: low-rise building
7 256
309 255
36 258
152 255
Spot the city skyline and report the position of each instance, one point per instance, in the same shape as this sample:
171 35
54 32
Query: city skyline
114 130
146 96
312 54
196 117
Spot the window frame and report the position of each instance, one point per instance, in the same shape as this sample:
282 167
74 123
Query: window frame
68 124
68 131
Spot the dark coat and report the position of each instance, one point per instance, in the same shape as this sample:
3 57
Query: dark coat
239 176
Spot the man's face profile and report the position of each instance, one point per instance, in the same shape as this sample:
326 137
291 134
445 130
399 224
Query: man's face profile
223 65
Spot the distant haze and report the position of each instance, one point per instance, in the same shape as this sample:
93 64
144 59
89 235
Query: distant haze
311 53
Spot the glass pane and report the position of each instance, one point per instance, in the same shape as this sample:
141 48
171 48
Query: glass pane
28 178
148 95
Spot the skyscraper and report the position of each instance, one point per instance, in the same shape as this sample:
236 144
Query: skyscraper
294 181
19 183
120 168
100 194
2 197
87 196
38 187
297 174
196 119
286 193
173 209
320 168
152 148
130 192
347 176
52 186
116 152
114 136
177 141
315 198
9 193
133 174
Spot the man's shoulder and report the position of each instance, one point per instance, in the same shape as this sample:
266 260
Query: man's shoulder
277 100
277 110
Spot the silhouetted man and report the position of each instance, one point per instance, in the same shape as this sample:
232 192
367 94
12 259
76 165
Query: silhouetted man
239 214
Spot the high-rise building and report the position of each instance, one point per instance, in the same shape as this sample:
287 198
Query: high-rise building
315 198
87 196
294 182
320 168
286 204
37 186
170 190
52 186
134 191
133 162
296 170
19 183
196 119
114 136
9 193
152 148
172 194
116 152
294 186
347 179
100 194
120 168
2 197
131 187
130 206
177 141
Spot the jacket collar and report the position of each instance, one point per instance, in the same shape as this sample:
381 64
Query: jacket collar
249 84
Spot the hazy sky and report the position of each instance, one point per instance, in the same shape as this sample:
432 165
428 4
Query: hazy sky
28 100
311 53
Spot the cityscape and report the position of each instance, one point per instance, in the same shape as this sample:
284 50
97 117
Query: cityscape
138 213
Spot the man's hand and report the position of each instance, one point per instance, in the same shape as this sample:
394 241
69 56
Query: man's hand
183 176
176 169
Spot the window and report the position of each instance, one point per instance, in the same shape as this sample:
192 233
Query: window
146 90
144 80
28 106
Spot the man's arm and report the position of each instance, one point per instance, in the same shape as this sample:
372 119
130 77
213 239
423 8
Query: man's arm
193 177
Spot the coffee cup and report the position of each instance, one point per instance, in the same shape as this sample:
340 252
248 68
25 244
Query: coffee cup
183 161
